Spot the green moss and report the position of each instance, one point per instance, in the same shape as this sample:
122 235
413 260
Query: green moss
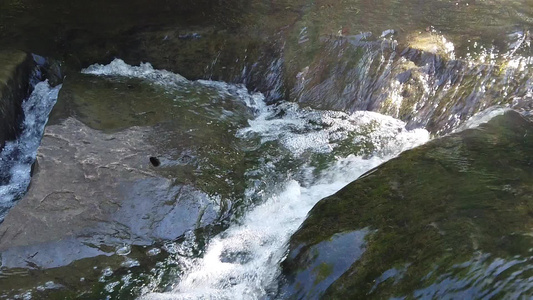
15 69
9 62
82 279
322 272
433 207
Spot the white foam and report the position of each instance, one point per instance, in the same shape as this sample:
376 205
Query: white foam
168 79
260 239
145 71
242 262
18 156
302 130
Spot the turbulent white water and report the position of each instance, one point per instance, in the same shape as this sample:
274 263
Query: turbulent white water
18 156
119 68
242 262
303 155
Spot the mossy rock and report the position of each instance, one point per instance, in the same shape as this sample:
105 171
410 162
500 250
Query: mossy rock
451 218
106 274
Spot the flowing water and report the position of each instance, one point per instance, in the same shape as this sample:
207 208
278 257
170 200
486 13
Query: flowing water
242 262
18 156
300 155
427 84
310 154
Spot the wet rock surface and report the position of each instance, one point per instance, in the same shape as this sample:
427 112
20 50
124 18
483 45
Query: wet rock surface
425 63
234 41
95 188
277 47
449 218
15 70
124 161
421 80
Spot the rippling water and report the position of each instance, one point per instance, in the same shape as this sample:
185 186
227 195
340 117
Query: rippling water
303 155
242 262
433 79
423 82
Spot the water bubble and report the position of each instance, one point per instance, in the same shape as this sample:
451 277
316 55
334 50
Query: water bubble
110 287
107 272
130 263
153 252
123 250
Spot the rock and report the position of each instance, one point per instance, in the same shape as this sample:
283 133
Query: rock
85 278
15 71
421 82
49 69
97 189
268 46
452 217
233 40
336 58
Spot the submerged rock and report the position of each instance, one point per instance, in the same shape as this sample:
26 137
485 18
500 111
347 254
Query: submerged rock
450 218
431 43
96 187
421 82
15 71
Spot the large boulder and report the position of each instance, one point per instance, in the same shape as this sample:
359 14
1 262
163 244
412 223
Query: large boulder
125 163
450 218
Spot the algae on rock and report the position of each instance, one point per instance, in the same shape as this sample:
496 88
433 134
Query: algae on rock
442 216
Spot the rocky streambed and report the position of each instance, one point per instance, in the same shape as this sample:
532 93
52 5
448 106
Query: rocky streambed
150 184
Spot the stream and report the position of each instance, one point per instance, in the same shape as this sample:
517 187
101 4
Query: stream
302 157
142 184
